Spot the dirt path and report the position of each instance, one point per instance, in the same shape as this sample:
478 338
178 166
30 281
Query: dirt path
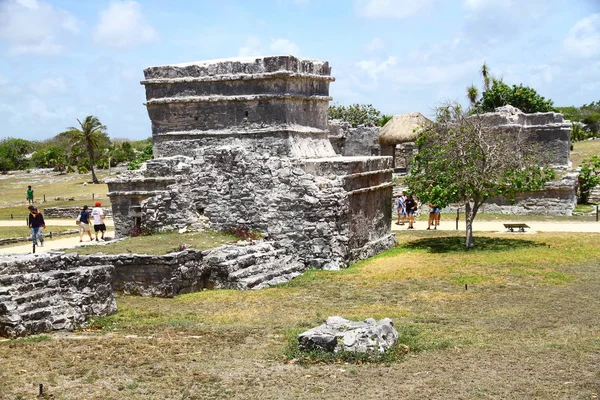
497 226
59 242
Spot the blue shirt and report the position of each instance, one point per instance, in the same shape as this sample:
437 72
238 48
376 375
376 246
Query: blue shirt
85 217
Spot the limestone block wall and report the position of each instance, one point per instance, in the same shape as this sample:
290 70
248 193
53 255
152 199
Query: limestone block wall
557 198
349 141
70 212
51 292
548 132
323 210
202 103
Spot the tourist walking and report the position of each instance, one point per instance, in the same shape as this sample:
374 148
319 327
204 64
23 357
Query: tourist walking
98 217
84 223
411 208
29 195
36 223
401 207
434 216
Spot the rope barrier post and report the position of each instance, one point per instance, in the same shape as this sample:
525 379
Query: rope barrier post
457 217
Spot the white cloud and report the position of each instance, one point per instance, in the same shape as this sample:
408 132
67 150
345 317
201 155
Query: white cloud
375 45
252 47
277 46
49 86
391 8
375 69
35 27
122 25
283 47
584 37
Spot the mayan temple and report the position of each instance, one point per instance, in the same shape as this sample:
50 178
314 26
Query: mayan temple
243 142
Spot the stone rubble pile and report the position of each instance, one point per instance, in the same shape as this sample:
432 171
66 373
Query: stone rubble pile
338 334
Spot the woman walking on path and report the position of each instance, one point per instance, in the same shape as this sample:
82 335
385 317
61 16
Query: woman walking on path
401 207
84 223
411 208
36 223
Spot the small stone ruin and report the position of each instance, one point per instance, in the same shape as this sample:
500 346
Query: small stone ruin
338 335
243 143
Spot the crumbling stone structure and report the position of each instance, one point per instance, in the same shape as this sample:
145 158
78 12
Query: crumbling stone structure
51 292
349 141
244 142
549 132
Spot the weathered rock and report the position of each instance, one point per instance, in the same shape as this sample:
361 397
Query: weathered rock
349 141
339 334
243 142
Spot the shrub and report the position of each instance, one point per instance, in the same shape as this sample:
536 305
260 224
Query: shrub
141 231
589 177
243 232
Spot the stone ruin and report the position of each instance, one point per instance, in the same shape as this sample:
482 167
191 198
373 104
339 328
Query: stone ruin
243 143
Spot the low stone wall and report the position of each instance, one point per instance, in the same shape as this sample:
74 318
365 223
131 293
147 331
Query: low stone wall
58 291
68 212
558 198
51 292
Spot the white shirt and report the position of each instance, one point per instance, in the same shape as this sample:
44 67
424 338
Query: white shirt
97 214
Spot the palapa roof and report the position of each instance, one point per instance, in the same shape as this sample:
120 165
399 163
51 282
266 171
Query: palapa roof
402 128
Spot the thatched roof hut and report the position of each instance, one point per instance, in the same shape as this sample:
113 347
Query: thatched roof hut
402 128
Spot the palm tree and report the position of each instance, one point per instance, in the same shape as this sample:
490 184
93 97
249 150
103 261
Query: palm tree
90 136
487 77
472 94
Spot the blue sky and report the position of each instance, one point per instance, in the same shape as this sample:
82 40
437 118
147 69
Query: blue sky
64 59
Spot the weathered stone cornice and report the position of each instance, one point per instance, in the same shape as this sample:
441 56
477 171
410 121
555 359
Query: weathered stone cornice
220 98
238 77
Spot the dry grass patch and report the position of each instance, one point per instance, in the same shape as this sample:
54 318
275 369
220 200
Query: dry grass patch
584 149
526 327
52 184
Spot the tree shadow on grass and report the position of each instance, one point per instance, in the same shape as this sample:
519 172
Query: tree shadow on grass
450 244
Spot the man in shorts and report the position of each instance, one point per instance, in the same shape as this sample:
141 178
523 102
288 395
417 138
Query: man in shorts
98 216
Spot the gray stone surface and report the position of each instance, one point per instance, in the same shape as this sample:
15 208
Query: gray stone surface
549 132
339 334
260 159
70 212
51 292
349 141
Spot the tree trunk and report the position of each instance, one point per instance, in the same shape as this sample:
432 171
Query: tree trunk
469 221
92 162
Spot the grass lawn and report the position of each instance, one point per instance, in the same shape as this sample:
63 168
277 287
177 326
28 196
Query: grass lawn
52 184
515 318
161 243
584 149
24 231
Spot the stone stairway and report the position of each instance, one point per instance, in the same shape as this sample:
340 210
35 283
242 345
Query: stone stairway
253 267
36 302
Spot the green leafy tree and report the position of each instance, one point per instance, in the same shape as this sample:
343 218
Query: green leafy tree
91 136
589 177
496 94
141 157
13 154
50 157
462 159
356 114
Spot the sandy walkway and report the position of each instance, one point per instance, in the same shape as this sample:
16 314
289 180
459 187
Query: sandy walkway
58 242
445 225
